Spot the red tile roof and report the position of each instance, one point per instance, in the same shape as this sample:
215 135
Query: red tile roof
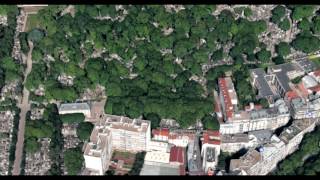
226 97
177 154
161 132
316 73
211 137
303 89
291 95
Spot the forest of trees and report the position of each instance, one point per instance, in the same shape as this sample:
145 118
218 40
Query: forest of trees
8 66
132 52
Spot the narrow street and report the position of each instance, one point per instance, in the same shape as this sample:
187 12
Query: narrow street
24 107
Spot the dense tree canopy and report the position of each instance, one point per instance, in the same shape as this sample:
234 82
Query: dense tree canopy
84 130
306 43
73 160
283 49
302 11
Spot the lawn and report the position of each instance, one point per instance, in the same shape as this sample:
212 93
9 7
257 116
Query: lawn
32 22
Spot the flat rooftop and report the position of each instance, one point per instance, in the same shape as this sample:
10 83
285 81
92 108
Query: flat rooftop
296 127
306 65
234 138
125 123
74 106
159 169
245 162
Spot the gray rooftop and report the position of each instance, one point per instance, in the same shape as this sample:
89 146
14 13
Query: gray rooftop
306 65
283 77
262 84
159 169
281 71
74 106
234 138
262 135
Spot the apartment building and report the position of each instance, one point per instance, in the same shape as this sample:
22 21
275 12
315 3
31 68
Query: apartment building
210 150
228 98
128 134
98 151
270 118
305 108
276 82
292 136
264 159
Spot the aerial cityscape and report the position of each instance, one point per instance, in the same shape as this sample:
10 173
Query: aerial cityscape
181 90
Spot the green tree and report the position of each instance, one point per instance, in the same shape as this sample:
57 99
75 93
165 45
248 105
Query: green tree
283 49
277 13
264 55
73 160
84 130
264 103
304 24
155 120
72 118
306 43
316 25
302 11
278 60
210 122
284 24
247 12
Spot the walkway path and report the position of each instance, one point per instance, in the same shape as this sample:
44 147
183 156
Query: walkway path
24 107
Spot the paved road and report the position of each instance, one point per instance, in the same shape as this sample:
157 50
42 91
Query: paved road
24 107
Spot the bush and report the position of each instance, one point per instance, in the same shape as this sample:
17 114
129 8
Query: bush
72 118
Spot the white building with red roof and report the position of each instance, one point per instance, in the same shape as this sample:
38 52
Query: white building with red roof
161 134
210 149
228 97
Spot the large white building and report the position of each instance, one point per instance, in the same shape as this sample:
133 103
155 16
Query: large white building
116 133
271 118
71 108
128 134
210 150
98 151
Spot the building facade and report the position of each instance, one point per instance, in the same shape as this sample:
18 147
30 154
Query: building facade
131 135
271 118
265 159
